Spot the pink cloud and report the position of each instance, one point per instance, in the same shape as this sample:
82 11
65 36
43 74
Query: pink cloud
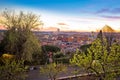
61 23
111 17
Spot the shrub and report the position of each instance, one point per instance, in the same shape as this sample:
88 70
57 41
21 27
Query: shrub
12 70
53 70
58 55
62 60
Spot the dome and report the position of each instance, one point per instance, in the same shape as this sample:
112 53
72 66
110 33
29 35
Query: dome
107 28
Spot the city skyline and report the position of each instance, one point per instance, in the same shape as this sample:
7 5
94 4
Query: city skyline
70 15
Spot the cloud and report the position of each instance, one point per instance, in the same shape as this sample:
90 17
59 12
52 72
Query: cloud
102 11
116 10
111 17
109 13
108 10
61 23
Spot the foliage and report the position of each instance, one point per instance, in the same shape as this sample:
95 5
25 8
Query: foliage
53 70
37 59
18 38
100 35
7 55
62 60
58 55
46 49
11 69
103 62
85 47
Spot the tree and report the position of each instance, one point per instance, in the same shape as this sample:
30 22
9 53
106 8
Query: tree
99 60
19 39
85 47
47 52
50 48
110 37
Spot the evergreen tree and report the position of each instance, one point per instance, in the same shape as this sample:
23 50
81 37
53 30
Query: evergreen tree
100 35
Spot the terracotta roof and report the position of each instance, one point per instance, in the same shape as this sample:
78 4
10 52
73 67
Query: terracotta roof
2 27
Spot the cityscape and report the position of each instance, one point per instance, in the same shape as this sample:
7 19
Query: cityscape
70 41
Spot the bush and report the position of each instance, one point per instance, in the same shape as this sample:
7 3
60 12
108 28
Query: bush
12 70
62 60
50 48
58 55
53 70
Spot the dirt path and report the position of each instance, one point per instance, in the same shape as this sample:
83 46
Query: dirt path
35 75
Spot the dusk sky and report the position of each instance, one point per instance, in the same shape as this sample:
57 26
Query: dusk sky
71 15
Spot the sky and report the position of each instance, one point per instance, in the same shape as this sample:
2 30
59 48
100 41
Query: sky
70 15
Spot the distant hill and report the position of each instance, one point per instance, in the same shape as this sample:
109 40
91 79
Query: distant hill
107 28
